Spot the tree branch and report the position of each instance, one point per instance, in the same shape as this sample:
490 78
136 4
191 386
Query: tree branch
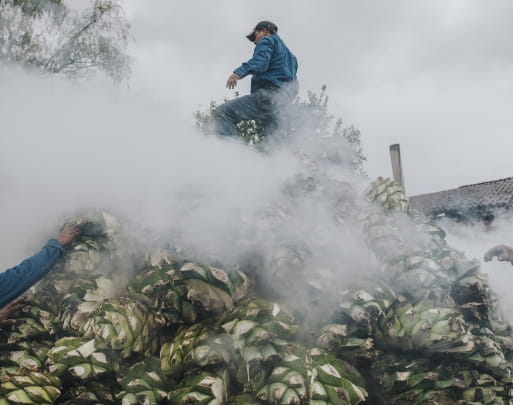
94 19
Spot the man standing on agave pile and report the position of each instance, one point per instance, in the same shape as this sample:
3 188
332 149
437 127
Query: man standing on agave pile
15 281
273 85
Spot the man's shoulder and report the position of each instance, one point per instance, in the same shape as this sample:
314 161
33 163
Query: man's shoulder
274 38
267 41
271 40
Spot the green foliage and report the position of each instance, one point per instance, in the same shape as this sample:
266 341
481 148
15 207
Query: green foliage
309 118
251 131
36 7
47 35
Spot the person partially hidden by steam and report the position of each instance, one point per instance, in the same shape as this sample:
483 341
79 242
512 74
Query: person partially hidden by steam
273 84
15 281
502 252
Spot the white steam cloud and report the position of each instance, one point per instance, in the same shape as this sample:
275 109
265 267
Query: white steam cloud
67 147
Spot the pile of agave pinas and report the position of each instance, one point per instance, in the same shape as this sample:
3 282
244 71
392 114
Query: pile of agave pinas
427 331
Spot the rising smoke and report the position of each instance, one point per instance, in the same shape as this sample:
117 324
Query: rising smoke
284 215
69 147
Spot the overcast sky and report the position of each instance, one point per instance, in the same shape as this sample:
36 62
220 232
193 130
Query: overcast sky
434 76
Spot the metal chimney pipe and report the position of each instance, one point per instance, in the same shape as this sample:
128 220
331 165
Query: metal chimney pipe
397 168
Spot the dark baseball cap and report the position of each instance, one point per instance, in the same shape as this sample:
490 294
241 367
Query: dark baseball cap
262 25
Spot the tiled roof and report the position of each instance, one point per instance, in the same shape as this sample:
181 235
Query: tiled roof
472 198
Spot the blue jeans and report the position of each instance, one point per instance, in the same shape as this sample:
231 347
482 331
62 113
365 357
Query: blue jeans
265 105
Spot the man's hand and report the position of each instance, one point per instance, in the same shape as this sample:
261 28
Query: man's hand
68 233
504 254
232 80
5 312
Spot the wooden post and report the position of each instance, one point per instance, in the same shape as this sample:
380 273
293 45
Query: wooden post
397 167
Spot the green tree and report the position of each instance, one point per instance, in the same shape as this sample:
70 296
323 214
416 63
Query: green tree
48 35
308 118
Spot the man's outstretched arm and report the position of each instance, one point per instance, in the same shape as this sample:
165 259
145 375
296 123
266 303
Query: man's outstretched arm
15 281
258 63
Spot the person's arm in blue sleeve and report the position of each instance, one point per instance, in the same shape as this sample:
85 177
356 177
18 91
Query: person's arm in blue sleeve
260 61
15 281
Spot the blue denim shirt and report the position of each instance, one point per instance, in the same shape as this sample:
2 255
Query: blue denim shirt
15 281
272 62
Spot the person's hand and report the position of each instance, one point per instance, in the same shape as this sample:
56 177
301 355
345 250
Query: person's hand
5 312
232 80
502 252
68 233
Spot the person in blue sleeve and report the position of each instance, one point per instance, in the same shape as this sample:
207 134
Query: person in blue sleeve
273 84
15 281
